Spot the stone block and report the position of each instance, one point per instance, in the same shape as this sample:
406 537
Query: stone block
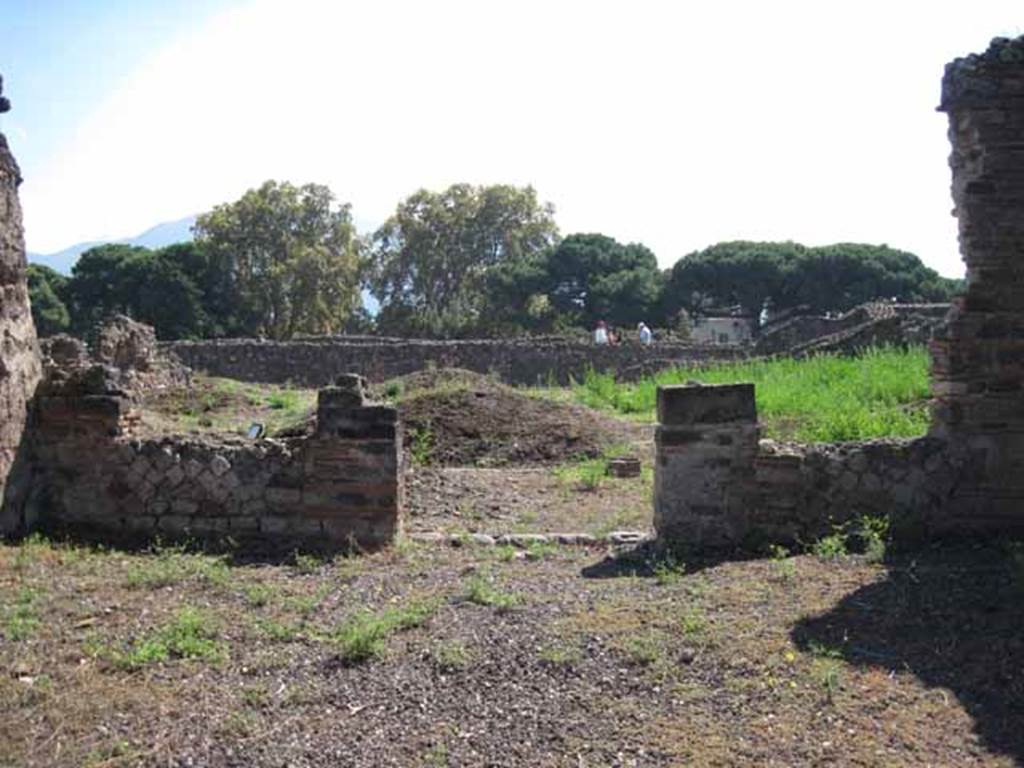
684 405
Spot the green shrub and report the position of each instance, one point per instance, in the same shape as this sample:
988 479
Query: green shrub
480 589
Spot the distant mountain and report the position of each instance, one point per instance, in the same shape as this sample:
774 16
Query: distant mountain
155 237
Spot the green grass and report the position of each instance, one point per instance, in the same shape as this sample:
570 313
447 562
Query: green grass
363 636
20 620
482 590
191 634
827 398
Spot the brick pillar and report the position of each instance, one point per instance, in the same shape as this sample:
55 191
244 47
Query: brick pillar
978 358
706 442
352 479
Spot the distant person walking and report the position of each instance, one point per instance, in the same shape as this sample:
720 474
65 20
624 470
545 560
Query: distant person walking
645 334
601 334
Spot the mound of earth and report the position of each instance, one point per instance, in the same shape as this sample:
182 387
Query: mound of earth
459 418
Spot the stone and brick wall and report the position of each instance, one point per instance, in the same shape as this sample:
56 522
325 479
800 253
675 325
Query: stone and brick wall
717 485
312 362
19 354
340 485
978 358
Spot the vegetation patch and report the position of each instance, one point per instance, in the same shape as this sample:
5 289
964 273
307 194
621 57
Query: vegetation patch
363 636
828 398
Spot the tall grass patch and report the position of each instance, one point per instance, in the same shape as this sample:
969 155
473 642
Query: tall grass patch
827 398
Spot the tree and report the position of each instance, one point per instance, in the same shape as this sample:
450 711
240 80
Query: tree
593 277
432 258
46 289
101 284
289 259
824 279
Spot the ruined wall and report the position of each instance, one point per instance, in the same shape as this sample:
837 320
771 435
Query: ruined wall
873 323
718 486
19 356
978 359
339 485
313 362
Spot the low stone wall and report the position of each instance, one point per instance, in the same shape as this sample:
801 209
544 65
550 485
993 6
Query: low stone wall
339 486
312 362
717 485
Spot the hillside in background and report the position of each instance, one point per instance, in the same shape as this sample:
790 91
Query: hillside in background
163 234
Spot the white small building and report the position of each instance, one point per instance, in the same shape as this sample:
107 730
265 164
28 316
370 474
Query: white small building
722 330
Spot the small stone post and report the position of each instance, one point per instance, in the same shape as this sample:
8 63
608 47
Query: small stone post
706 443
353 475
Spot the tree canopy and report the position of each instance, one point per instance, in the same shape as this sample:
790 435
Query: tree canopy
289 259
828 278
432 258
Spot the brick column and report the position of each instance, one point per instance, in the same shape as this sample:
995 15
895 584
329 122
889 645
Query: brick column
978 358
706 442
352 480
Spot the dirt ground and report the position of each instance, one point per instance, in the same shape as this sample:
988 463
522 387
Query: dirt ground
431 655
567 658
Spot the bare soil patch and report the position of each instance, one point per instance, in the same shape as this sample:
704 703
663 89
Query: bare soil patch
460 418
569 659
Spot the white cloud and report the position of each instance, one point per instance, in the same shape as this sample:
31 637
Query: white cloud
674 124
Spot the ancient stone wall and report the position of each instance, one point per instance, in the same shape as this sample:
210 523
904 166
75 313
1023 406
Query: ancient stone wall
340 485
313 362
978 359
19 355
718 486
867 324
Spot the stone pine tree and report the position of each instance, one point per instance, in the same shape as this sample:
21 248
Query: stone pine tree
292 258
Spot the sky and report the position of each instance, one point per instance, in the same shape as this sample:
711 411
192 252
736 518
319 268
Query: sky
673 124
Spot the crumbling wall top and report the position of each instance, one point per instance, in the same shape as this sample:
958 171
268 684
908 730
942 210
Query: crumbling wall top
983 79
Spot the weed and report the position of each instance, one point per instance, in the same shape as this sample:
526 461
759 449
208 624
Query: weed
191 634
451 657
421 444
20 621
394 389
828 675
256 696
480 589
693 622
306 563
872 536
362 637
539 550
436 756
258 595
277 631
167 566
283 400
832 546
782 564
668 569
561 654
644 650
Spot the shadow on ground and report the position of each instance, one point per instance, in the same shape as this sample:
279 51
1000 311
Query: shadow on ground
952 617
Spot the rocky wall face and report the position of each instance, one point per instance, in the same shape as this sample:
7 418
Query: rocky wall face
978 358
314 362
19 354
339 487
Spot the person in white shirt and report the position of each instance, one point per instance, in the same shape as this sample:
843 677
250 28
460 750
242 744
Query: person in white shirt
645 334
601 334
